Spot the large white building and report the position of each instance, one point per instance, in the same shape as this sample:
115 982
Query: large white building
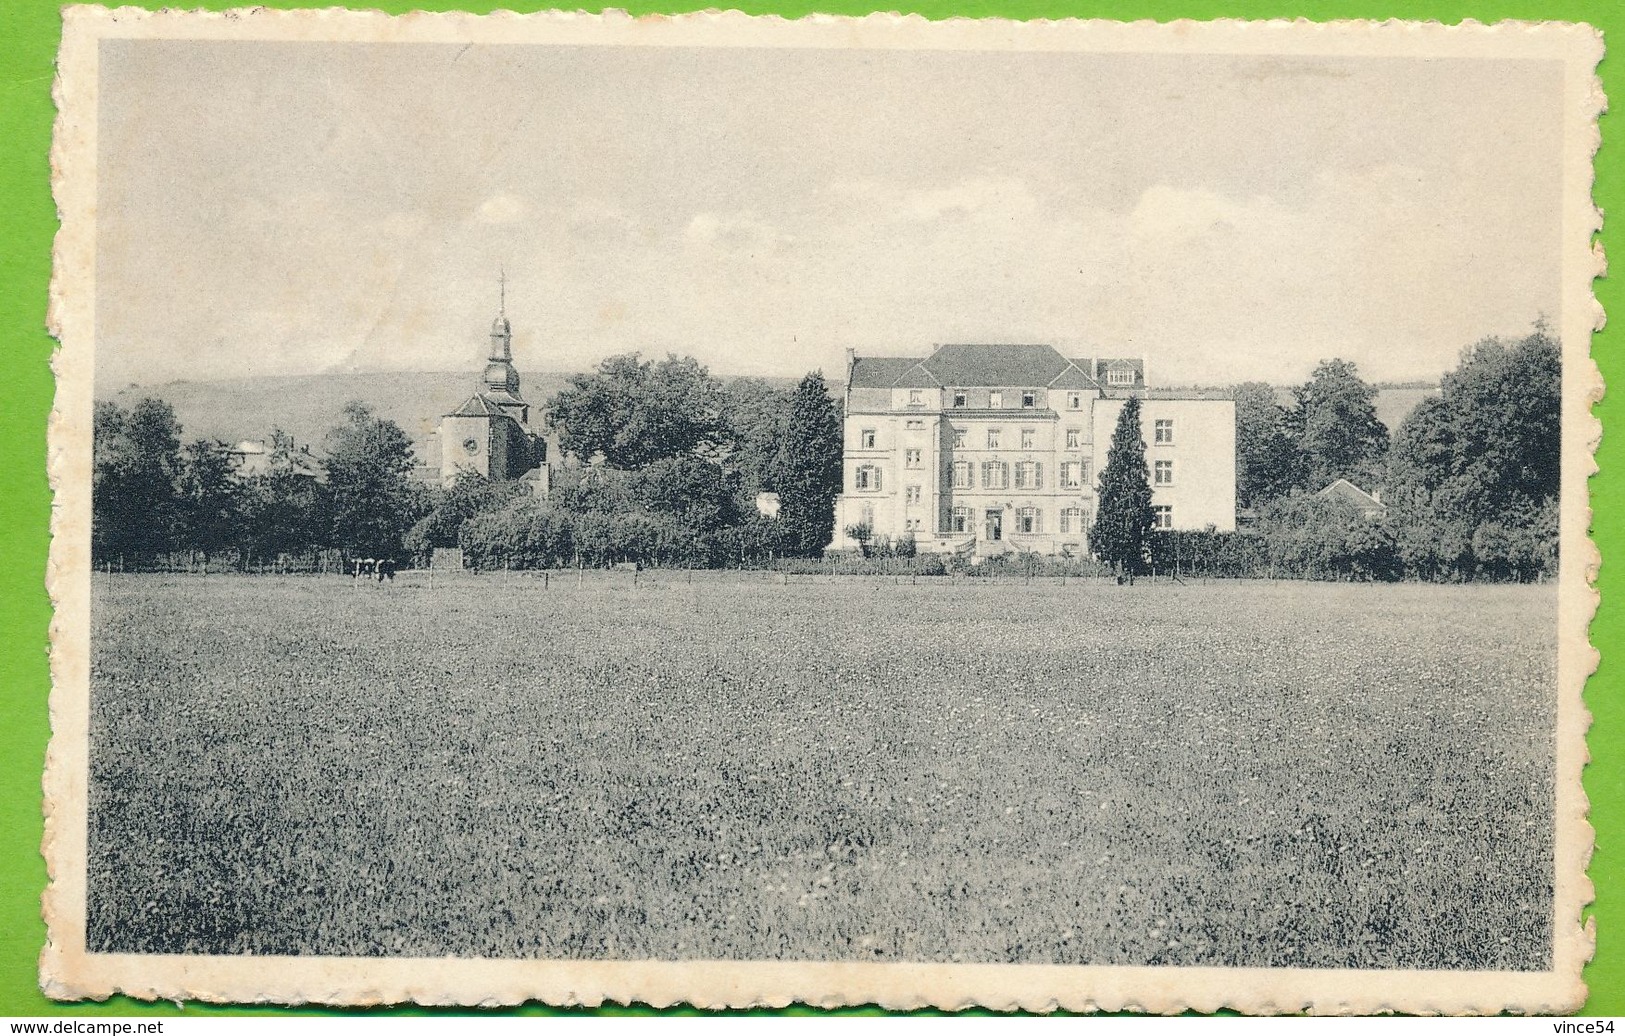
993 448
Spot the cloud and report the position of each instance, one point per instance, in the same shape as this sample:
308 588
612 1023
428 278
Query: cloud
1173 215
736 232
981 196
501 208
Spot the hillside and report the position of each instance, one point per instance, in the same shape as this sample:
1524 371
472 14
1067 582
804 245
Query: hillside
306 406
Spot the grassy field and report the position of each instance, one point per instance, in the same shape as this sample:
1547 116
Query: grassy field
1294 774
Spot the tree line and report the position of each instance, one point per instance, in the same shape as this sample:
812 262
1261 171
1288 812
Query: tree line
672 461
1468 483
668 462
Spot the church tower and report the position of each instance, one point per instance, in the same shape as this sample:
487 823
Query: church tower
490 433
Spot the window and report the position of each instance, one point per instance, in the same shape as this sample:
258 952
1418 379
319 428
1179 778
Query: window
1029 398
1071 519
1071 477
959 398
962 474
995 400
912 494
1163 473
914 398
1074 400
1163 516
912 458
866 479
959 520
1029 520
993 437
959 438
1029 475
1163 432
915 424
1028 438
866 439
1074 438
911 523
995 474
1120 376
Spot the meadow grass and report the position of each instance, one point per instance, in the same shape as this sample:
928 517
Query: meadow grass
1299 774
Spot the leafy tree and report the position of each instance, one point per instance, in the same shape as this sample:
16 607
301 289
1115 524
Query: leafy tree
1317 537
591 489
1268 464
285 510
374 500
1124 521
208 498
1505 407
697 493
526 533
633 412
756 415
806 471
469 494
861 533
1477 470
136 458
1339 435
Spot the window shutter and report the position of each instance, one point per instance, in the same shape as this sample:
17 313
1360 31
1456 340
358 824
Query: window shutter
1038 475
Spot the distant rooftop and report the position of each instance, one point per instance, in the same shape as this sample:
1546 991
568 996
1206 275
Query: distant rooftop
992 365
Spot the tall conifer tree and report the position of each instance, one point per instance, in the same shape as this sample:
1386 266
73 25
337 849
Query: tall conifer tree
807 470
1124 521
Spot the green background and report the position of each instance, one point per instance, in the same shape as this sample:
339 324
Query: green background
29 32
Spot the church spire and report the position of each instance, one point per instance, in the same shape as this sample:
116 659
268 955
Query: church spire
501 332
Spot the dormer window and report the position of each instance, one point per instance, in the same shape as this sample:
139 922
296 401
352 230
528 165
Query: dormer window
1120 376
915 397
995 400
959 398
1029 398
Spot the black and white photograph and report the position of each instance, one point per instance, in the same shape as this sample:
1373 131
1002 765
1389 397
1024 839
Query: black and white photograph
729 511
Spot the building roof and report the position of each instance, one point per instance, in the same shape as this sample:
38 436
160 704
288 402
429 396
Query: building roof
879 371
1350 493
997 366
254 457
487 404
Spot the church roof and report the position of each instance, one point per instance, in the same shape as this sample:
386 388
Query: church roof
487 404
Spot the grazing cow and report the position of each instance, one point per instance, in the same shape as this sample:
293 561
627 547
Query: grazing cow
386 570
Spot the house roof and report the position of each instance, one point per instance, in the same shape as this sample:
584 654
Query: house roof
996 366
253 457
1347 491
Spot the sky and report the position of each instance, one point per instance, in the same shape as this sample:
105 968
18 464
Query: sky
296 208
